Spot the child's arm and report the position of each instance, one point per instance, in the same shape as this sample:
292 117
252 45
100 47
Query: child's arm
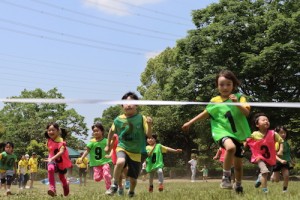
86 152
109 139
61 151
280 151
149 130
281 160
244 109
202 115
169 149
218 154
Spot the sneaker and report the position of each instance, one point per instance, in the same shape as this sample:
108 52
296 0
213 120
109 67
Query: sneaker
120 191
161 187
284 191
130 194
257 182
127 185
51 193
238 189
226 183
265 190
150 188
112 190
66 189
8 193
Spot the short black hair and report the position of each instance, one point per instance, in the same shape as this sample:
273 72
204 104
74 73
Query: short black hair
131 95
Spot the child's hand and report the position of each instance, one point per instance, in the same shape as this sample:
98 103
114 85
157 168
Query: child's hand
149 121
178 150
186 127
233 98
107 156
107 149
215 158
283 161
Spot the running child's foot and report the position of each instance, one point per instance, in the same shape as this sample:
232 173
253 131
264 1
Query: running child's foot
51 193
238 189
127 185
257 182
112 190
160 187
130 194
226 183
150 188
66 189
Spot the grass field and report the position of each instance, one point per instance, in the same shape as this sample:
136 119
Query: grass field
174 189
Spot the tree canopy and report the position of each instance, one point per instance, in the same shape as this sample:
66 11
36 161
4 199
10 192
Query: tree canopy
24 124
257 40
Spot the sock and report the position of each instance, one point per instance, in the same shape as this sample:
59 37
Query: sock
227 173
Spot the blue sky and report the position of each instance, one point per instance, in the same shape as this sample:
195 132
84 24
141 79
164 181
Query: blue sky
88 49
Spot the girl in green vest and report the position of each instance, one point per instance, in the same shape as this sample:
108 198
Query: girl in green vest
155 162
229 126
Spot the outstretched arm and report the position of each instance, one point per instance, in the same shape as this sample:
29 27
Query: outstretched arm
202 115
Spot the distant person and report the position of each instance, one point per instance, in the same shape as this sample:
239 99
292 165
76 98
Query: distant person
204 171
83 165
284 163
98 160
22 170
155 162
193 163
8 166
58 159
26 176
33 168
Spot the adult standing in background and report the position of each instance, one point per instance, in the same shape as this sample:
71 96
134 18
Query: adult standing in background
33 167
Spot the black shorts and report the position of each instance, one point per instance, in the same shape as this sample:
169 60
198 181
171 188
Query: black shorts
82 171
133 166
279 166
239 146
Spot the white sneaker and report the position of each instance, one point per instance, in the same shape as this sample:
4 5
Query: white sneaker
226 183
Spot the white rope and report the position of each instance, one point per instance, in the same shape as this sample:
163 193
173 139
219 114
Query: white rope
144 102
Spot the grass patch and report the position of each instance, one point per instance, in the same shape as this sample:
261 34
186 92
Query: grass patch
175 189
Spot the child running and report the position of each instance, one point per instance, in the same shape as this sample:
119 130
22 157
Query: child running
98 160
58 159
155 162
131 128
229 126
262 146
7 166
22 170
193 163
284 162
204 170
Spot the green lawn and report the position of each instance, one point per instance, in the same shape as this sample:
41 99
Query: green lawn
174 189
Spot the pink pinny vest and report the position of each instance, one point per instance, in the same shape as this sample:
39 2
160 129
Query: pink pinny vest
263 149
64 161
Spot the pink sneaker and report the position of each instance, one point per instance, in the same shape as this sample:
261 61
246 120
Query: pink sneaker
66 189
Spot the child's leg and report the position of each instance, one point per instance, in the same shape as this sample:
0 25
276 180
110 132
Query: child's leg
264 171
275 176
151 177
238 170
63 179
229 155
285 174
98 173
133 182
9 180
160 175
118 169
51 178
106 175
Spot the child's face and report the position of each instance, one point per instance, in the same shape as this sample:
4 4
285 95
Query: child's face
8 149
151 141
225 86
129 109
52 132
98 134
263 123
282 134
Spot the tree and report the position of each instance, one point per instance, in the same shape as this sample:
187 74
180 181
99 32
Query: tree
257 40
24 123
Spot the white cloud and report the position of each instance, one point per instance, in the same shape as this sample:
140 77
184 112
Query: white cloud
152 54
117 7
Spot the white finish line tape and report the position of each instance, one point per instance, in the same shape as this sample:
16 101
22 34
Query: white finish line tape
145 102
